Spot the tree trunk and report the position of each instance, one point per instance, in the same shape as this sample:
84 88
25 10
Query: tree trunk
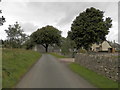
46 48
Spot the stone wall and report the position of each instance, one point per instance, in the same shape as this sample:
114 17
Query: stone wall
107 66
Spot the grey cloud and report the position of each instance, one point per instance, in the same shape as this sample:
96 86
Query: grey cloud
60 14
119 22
76 8
60 0
28 27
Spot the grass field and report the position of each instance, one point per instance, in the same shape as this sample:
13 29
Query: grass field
0 68
15 63
57 55
95 79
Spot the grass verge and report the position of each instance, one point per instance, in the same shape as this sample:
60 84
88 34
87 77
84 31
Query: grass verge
95 79
15 63
57 55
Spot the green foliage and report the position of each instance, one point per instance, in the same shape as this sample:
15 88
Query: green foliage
46 36
15 63
98 80
1 42
5 44
82 51
89 27
67 46
2 19
57 55
15 35
29 44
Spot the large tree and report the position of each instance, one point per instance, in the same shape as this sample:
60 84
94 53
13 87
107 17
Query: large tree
89 27
15 36
46 36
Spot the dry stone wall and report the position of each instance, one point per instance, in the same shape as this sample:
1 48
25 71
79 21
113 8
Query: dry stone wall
107 66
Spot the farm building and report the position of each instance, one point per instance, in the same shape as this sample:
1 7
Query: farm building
104 47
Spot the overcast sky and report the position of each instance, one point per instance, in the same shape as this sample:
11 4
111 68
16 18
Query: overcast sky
33 15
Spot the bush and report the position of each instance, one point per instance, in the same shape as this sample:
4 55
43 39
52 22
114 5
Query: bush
82 51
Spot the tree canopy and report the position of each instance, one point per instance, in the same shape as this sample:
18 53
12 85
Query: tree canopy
89 27
15 36
46 36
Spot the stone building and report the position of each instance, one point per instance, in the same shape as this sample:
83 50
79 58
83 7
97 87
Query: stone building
104 47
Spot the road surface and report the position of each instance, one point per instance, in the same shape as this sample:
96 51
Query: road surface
48 72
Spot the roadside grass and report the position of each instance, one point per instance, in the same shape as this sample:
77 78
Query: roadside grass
95 79
57 55
15 63
0 68
116 56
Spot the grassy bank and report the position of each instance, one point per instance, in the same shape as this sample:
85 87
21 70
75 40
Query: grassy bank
15 63
95 79
57 55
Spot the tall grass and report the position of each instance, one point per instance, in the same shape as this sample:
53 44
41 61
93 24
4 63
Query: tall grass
15 63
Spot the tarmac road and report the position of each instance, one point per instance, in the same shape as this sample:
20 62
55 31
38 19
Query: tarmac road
48 72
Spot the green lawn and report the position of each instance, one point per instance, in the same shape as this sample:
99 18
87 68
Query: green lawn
97 80
57 55
15 63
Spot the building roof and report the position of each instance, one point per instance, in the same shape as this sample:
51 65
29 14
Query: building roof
115 45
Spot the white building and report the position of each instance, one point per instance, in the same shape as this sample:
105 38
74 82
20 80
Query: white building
104 46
